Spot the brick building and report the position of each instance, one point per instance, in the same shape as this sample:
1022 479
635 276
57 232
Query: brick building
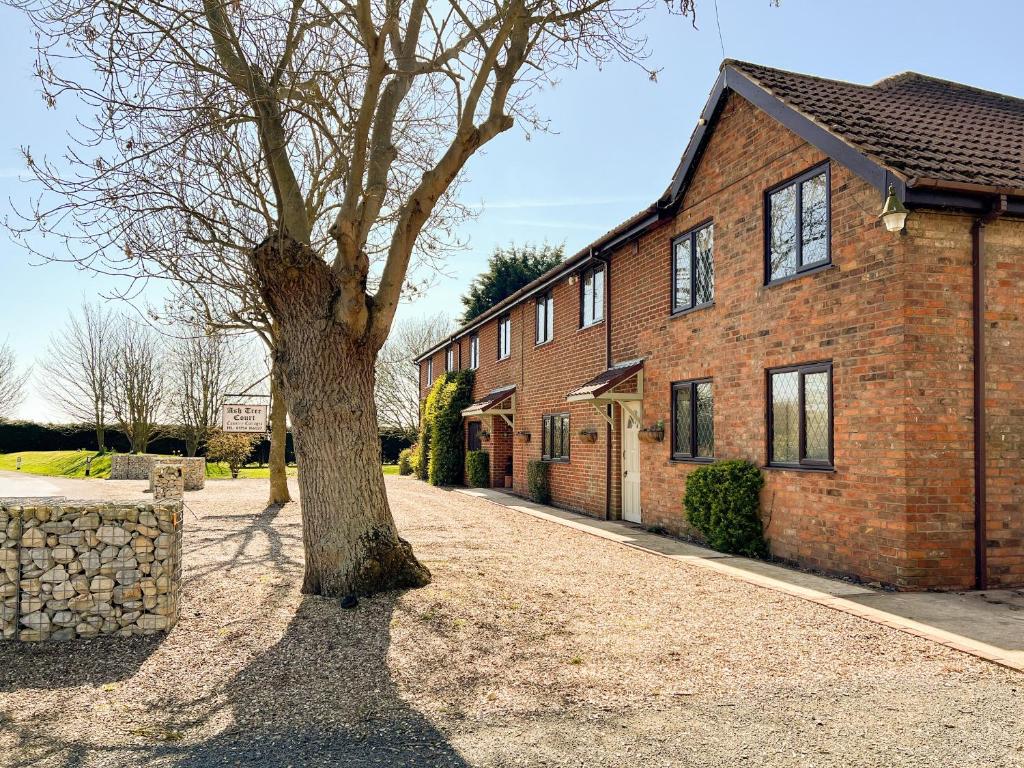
759 309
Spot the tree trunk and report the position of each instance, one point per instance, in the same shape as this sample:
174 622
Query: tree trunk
100 435
349 536
278 442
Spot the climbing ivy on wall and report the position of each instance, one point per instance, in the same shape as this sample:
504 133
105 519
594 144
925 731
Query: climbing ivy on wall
441 440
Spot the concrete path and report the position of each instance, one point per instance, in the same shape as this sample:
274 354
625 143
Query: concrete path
989 625
24 484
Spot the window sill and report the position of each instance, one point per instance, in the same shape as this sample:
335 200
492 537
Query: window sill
555 461
503 359
805 273
543 343
690 310
692 460
800 468
591 325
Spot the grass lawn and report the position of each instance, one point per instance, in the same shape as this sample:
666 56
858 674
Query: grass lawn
72 464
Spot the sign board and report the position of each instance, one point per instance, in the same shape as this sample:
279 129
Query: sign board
244 418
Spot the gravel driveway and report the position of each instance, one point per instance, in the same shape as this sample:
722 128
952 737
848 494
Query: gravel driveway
535 645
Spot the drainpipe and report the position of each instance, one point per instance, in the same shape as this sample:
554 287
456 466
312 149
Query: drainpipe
980 431
607 364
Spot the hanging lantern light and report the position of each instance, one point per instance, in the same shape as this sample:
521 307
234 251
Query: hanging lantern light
894 213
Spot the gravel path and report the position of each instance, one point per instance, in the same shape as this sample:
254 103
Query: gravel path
535 645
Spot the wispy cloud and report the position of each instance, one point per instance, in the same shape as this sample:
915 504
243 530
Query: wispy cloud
562 202
554 224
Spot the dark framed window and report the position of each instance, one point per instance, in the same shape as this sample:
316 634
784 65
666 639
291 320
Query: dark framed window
693 268
592 296
693 420
474 352
449 359
504 337
800 416
554 444
545 318
473 436
430 371
797 225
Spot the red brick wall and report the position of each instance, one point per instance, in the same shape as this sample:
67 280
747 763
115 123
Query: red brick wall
893 315
1004 330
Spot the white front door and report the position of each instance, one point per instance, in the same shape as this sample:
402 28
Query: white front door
631 462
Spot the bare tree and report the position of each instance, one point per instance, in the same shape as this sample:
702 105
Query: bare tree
12 382
224 301
76 368
138 381
204 366
359 117
398 377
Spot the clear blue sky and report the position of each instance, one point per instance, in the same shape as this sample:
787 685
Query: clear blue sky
616 136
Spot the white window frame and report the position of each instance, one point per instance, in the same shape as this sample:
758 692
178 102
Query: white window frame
545 318
474 352
592 310
505 337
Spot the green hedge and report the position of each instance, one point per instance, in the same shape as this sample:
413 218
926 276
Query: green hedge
723 502
443 416
538 479
478 469
405 461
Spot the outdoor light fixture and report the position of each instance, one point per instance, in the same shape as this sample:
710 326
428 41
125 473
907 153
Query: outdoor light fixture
894 213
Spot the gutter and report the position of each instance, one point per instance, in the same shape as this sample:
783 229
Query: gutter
980 430
608 243
607 364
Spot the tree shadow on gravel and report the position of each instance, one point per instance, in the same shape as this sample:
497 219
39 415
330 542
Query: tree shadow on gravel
73 663
322 696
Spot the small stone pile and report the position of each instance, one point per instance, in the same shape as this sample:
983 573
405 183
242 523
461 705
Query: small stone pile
80 569
139 466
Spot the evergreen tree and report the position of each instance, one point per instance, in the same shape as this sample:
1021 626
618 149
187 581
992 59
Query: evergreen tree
508 270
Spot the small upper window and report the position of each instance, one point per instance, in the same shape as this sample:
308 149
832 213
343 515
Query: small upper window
504 337
693 420
800 415
555 437
474 352
693 269
449 359
430 371
545 318
797 218
592 296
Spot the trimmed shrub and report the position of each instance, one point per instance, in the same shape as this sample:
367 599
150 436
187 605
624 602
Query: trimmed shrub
538 481
445 458
723 502
405 461
478 469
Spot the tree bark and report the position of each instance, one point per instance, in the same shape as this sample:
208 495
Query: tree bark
278 441
327 375
100 435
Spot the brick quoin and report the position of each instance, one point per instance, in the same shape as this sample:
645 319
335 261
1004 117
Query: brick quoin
892 313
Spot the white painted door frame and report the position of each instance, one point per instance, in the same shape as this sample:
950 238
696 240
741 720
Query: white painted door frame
630 432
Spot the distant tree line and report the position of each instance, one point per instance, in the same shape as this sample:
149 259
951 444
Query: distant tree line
16 436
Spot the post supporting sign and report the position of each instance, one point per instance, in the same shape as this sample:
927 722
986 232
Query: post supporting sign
241 417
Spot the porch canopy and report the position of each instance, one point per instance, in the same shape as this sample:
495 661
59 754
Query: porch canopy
497 402
623 381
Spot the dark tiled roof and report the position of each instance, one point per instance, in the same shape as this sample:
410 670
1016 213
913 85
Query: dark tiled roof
606 380
922 127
